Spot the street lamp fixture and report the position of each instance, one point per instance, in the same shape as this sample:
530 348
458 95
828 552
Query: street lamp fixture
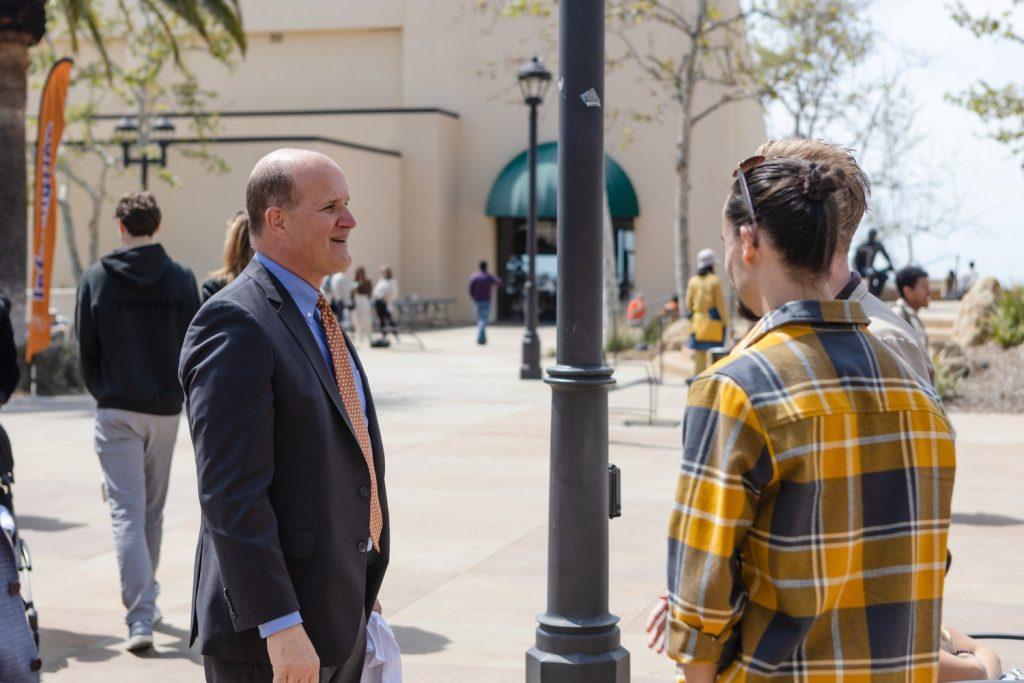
534 80
161 131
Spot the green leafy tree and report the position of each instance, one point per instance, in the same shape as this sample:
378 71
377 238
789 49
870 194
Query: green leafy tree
807 59
1002 106
23 23
785 51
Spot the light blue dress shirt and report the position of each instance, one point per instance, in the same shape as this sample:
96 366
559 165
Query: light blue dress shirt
305 297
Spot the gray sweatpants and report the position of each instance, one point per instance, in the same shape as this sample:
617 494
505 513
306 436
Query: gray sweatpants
135 452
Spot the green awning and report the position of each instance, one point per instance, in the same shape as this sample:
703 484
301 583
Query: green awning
509 195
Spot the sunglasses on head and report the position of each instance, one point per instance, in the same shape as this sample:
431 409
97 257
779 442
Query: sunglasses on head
742 168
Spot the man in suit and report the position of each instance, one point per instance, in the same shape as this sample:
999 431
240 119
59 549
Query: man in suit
294 538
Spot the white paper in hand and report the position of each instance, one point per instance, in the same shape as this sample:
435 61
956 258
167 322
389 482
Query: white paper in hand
383 663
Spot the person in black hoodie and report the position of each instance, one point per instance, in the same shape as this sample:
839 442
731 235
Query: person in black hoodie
134 307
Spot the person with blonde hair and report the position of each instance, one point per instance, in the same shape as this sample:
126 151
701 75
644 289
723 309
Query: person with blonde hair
237 254
362 317
705 307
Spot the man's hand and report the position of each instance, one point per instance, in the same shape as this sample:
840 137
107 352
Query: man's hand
293 657
376 606
656 624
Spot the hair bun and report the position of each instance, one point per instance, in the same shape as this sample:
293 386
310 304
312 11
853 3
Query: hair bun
820 180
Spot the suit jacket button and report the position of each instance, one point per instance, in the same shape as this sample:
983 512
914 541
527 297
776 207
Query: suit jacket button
361 546
364 491
36 665
13 588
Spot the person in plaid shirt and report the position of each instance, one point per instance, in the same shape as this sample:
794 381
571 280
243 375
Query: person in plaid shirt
808 537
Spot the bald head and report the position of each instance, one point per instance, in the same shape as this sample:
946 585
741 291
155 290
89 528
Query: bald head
276 180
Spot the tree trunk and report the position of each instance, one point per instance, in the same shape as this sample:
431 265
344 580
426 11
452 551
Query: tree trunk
682 223
13 174
69 231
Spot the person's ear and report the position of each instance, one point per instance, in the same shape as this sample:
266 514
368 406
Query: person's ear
748 245
273 219
123 231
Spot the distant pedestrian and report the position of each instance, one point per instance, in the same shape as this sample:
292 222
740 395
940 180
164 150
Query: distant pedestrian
481 285
670 311
362 318
134 307
949 286
237 254
705 307
969 279
385 296
864 262
915 292
339 294
636 310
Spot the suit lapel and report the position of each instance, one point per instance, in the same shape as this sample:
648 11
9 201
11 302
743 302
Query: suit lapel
292 319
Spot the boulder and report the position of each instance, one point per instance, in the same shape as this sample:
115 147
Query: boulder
971 325
675 336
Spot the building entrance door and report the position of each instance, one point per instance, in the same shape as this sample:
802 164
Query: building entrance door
511 265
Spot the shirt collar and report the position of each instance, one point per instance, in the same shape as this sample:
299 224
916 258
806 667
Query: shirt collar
809 312
303 294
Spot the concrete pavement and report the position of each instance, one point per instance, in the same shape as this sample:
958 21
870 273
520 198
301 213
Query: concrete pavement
467 446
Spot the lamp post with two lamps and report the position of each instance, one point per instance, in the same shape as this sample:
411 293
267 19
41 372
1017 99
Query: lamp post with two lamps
159 131
534 80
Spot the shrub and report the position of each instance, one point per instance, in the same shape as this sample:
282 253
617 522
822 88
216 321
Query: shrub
57 370
1007 323
947 376
652 332
622 339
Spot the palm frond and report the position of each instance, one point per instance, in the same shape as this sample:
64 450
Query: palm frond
168 31
229 16
79 14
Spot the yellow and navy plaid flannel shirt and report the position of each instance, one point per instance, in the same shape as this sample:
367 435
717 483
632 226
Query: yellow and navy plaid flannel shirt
808 537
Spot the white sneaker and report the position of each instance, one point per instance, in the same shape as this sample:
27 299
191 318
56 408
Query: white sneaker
140 636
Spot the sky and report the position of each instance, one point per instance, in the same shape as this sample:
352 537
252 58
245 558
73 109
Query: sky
985 173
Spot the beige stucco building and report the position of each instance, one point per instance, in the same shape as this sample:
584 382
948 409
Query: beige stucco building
420 100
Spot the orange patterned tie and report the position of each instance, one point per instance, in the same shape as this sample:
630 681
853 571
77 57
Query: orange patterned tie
350 399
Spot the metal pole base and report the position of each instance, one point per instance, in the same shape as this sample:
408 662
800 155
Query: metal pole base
561 656
530 369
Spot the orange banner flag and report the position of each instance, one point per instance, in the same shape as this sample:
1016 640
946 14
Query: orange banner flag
51 128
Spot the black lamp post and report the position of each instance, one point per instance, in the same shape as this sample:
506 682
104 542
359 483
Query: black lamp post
577 638
534 80
161 130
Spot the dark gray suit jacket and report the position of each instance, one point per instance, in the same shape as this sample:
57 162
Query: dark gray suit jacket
283 486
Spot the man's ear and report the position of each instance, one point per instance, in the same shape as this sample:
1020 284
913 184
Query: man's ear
748 245
121 230
273 219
